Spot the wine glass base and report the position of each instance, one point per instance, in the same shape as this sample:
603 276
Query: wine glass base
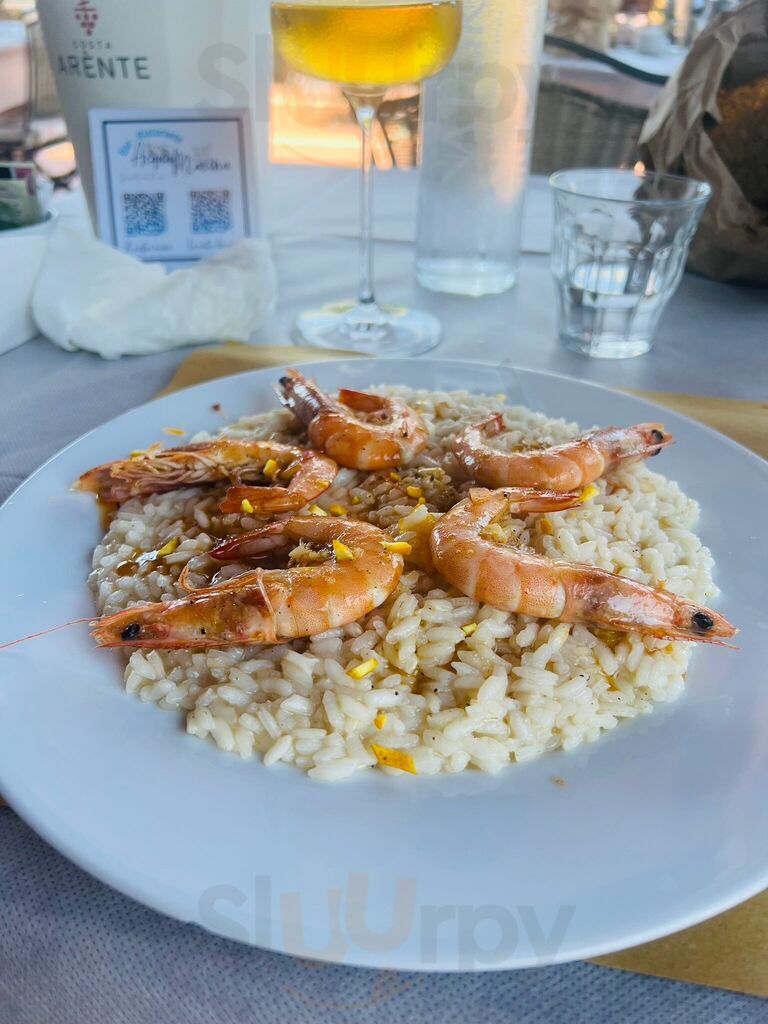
375 330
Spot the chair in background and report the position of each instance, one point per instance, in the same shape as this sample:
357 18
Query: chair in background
37 123
578 127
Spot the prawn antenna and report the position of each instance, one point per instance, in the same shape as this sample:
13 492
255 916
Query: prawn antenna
45 632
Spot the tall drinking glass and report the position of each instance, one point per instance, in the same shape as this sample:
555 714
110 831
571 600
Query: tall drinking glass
366 46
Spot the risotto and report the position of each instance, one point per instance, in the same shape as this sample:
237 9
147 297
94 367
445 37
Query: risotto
431 681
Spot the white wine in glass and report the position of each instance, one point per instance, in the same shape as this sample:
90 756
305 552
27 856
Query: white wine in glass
366 46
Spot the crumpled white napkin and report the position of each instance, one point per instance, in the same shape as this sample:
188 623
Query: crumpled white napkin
93 297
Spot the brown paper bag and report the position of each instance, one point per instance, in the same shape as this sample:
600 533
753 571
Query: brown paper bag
710 123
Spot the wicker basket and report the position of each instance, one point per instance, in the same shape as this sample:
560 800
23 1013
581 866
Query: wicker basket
39 122
578 129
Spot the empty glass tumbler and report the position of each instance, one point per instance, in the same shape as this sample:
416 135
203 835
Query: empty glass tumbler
620 244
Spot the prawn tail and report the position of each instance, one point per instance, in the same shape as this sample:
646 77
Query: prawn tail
216 582
260 500
254 544
92 482
101 482
493 425
527 499
301 395
530 499
360 401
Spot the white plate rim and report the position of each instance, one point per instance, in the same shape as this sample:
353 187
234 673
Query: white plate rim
59 841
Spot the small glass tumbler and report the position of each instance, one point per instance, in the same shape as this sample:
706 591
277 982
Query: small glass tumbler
620 243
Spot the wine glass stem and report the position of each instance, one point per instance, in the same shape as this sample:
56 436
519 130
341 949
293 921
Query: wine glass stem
365 111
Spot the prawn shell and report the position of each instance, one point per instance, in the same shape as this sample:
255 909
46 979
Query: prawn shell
268 606
563 467
516 580
387 434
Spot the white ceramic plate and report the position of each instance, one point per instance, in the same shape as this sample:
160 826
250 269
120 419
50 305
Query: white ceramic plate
660 824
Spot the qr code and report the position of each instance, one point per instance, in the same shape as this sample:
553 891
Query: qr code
144 213
211 211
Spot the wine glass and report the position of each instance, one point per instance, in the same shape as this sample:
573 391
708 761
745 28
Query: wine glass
366 46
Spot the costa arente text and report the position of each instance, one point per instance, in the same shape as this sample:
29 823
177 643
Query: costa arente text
87 66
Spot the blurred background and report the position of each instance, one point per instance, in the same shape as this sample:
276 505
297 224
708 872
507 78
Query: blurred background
603 65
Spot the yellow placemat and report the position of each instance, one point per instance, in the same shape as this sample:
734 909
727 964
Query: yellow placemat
728 951
235 357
